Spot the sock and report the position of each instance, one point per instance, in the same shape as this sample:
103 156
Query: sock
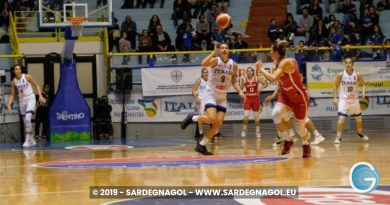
195 118
204 141
305 142
291 134
258 129
201 131
338 135
360 132
244 126
316 133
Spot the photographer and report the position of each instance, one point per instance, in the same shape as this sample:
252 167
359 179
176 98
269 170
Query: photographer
103 125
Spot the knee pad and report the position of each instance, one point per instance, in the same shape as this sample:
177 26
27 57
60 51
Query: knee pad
279 113
27 122
307 120
341 119
256 115
300 127
246 113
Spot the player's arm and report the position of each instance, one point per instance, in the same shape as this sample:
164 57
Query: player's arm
363 84
274 94
11 96
194 91
278 72
263 83
336 88
211 60
235 83
31 80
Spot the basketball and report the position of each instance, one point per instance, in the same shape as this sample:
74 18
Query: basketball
364 103
223 20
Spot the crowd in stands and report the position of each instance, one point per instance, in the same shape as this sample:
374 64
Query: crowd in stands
321 30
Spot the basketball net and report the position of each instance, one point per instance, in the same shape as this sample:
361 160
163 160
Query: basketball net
76 25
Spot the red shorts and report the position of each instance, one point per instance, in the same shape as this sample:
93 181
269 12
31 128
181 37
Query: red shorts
298 105
252 103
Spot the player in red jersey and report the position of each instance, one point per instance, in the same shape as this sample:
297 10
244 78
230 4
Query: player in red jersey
252 100
293 96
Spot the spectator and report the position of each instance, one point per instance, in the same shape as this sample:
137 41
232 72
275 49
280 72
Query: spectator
240 43
102 120
203 31
319 31
349 11
42 114
315 9
4 14
180 11
367 26
228 41
289 26
373 15
223 5
376 38
124 47
302 4
144 45
211 15
180 31
162 42
217 35
352 53
335 41
153 23
301 58
364 4
204 5
130 27
305 23
127 4
187 42
114 35
194 4
352 28
383 5
339 28
331 20
274 31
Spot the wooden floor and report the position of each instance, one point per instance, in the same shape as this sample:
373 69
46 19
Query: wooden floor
23 183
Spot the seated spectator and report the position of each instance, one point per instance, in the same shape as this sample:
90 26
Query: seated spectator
335 41
349 11
187 42
289 27
211 15
376 38
130 27
373 15
383 5
180 31
315 9
217 35
330 21
352 53
203 32
301 57
124 47
114 35
162 42
352 28
144 45
240 43
339 28
367 27
274 32
153 23
180 11
305 23
4 14
319 31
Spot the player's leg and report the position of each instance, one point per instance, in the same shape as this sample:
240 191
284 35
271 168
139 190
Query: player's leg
356 112
29 111
256 109
318 138
343 114
201 145
206 118
300 113
245 121
279 114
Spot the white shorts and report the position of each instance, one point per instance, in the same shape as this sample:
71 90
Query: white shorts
210 102
349 108
27 105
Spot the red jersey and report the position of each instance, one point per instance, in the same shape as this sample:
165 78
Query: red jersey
251 87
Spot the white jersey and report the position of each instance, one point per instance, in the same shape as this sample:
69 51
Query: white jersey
349 87
204 90
220 77
24 87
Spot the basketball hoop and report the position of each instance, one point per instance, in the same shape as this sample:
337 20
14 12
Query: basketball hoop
76 25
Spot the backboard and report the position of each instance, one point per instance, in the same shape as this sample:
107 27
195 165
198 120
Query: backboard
54 13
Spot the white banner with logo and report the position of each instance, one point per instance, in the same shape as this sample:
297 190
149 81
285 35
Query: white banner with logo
179 80
9 117
174 109
322 75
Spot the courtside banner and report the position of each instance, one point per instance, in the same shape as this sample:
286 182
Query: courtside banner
179 80
175 109
322 75
9 117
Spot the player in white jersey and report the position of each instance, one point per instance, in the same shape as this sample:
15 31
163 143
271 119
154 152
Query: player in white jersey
22 82
203 95
223 73
348 102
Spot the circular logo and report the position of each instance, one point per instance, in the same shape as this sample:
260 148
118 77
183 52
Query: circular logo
176 75
363 177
